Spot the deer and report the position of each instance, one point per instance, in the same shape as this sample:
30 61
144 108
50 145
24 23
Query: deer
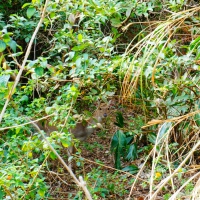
83 129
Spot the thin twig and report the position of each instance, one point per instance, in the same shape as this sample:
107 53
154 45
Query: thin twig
24 61
80 183
30 122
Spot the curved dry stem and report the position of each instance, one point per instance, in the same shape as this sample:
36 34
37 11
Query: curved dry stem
148 45
167 179
173 197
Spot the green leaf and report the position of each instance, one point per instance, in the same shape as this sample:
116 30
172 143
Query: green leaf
10 85
80 47
13 45
80 37
39 71
65 143
78 62
2 46
4 80
197 119
94 91
152 138
52 156
48 110
119 119
132 169
52 15
27 39
132 152
16 54
30 12
2 193
24 98
195 43
118 144
115 22
117 157
41 192
6 38
25 5
119 139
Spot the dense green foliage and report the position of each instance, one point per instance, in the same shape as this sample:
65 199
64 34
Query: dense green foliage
84 52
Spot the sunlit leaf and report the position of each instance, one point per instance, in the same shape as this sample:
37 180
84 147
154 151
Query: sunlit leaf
132 169
4 80
13 45
132 152
80 37
2 46
6 38
39 71
30 12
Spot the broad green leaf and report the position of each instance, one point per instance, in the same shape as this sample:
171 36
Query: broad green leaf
195 43
117 157
41 192
30 12
152 138
115 22
80 37
16 54
2 46
129 139
52 156
24 98
85 56
52 15
25 5
119 119
128 11
94 91
4 80
48 109
80 47
31 63
6 38
27 39
2 193
39 71
118 144
119 139
13 45
78 62
10 85
132 152
17 130
197 119
65 143
1 59
132 169
26 147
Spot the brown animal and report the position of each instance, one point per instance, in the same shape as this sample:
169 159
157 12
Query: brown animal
83 130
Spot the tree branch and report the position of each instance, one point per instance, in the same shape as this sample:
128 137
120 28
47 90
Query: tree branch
24 61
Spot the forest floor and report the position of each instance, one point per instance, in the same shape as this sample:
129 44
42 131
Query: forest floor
97 164
95 154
